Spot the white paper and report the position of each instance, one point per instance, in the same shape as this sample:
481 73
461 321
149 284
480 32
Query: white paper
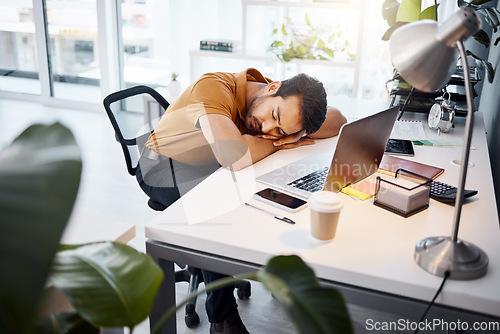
408 129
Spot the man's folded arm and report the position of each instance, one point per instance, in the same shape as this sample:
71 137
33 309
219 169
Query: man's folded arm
236 151
332 124
232 149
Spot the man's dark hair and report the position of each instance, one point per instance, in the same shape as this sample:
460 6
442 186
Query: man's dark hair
312 96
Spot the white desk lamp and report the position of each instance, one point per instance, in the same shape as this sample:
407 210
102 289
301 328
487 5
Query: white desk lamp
425 55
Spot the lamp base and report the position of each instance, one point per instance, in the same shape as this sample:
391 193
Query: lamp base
462 260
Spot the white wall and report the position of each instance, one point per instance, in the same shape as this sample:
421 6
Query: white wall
490 106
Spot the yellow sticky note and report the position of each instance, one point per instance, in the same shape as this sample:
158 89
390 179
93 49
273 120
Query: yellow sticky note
356 193
362 190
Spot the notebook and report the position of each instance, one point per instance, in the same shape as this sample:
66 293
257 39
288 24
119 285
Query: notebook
359 150
390 164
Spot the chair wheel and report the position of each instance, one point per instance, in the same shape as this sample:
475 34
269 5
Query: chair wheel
243 289
192 320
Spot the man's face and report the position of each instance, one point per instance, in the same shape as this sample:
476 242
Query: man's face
273 115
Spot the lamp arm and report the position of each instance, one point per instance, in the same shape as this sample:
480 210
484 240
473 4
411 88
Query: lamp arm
469 122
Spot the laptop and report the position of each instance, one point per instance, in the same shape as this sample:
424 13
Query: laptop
360 147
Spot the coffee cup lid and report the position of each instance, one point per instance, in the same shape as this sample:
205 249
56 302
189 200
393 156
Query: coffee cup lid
325 201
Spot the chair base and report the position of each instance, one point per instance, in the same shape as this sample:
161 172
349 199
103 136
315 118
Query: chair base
243 289
155 205
194 277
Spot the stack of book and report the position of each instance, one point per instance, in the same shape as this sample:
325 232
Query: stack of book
219 45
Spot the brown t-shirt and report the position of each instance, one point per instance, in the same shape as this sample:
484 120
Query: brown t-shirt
178 134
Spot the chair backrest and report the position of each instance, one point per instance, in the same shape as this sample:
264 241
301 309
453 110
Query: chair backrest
133 120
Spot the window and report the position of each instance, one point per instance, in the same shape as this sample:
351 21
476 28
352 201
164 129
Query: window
157 36
18 55
73 49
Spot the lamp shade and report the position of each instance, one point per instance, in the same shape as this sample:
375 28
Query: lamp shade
425 53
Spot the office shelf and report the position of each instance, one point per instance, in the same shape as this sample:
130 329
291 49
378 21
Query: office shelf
422 101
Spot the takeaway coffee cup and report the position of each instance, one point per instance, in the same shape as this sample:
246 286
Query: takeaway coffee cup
324 207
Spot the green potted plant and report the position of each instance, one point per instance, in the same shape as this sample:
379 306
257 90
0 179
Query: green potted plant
306 41
109 284
39 180
174 86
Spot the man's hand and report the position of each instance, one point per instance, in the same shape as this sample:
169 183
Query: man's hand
290 141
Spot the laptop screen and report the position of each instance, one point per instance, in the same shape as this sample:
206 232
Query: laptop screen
360 148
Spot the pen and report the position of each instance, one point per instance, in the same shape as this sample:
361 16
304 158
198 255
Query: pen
282 218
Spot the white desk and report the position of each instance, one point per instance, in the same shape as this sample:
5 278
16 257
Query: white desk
371 258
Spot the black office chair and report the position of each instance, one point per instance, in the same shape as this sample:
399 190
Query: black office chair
133 121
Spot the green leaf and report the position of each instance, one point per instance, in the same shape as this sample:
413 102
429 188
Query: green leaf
110 284
301 50
277 44
312 308
321 44
310 40
480 2
283 29
492 18
480 64
388 33
429 13
65 322
409 11
275 31
482 37
469 53
490 70
39 179
307 20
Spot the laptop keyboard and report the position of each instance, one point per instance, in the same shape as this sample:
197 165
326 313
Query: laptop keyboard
311 182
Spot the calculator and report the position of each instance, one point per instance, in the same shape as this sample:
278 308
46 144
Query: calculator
447 193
